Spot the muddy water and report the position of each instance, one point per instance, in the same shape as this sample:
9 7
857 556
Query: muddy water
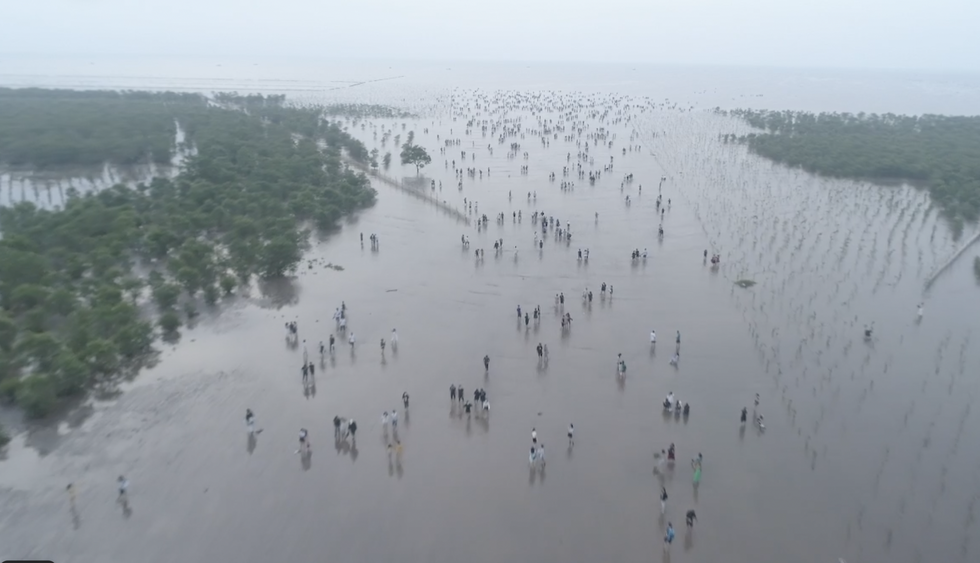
866 456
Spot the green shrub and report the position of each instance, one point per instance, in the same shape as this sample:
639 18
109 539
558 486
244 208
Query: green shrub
37 396
169 321
8 389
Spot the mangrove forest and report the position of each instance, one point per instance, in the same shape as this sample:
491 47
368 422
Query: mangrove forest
78 282
939 152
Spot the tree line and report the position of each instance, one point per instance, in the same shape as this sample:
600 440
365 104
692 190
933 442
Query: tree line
940 152
44 128
73 279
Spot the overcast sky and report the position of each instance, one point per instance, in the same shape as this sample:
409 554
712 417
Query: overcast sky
912 34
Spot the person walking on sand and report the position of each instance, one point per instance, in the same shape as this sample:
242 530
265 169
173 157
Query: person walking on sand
571 435
123 484
304 442
691 517
351 340
653 337
71 493
486 362
541 454
250 421
452 393
669 536
534 434
745 415
663 500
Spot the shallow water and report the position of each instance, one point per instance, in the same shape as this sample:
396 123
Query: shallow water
864 455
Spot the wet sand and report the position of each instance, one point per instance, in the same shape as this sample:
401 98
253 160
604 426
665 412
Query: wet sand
845 468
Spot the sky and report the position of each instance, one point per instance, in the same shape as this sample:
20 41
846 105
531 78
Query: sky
897 34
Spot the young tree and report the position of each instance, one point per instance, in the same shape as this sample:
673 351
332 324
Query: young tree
414 154
169 322
387 160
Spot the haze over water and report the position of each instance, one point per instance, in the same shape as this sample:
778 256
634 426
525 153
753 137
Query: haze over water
867 452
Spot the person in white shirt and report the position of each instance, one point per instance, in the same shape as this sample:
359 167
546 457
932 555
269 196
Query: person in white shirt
304 443
653 337
351 341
